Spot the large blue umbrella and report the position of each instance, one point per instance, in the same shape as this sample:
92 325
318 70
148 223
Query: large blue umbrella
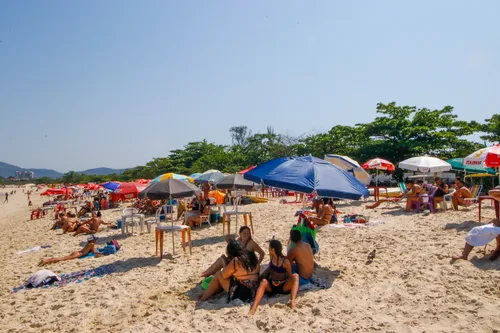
307 174
111 186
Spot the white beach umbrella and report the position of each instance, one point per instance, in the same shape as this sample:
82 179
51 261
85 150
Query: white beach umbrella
351 166
425 164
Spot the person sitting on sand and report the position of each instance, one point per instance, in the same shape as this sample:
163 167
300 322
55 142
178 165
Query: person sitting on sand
60 221
324 212
277 278
405 194
86 209
91 226
441 191
199 207
246 242
462 192
301 257
480 236
88 248
239 278
71 223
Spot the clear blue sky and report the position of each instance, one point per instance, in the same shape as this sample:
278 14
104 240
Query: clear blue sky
116 83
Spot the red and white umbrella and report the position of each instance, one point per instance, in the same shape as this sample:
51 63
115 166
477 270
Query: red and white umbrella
489 157
379 164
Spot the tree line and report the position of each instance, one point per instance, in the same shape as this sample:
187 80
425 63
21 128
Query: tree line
397 133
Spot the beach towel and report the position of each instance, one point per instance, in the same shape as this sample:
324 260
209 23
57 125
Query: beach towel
40 278
77 277
482 235
36 248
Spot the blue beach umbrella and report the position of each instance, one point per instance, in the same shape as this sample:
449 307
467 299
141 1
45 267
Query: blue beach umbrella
307 174
195 175
110 186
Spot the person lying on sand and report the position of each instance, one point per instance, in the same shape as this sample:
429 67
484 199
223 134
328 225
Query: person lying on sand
86 209
88 248
277 278
239 278
91 226
480 236
246 242
462 192
301 257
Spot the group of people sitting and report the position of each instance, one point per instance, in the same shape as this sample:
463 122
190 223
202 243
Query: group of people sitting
146 206
238 272
69 222
415 190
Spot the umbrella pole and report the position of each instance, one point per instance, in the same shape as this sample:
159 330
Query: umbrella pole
172 220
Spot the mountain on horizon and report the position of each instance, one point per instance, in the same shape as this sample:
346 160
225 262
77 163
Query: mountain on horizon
8 170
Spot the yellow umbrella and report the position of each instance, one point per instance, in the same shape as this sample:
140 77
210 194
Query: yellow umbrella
172 175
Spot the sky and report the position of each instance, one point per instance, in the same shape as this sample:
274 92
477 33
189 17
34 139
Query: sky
116 83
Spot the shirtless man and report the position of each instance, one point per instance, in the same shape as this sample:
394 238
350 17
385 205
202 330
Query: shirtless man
71 223
301 257
480 236
91 226
88 248
323 210
461 193
60 221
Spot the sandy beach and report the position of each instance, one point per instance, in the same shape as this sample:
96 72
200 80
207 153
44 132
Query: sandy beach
411 285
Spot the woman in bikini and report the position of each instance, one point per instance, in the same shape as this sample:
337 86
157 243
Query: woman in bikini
89 247
324 212
277 278
239 278
246 242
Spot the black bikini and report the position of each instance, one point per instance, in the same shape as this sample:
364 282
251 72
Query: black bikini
279 288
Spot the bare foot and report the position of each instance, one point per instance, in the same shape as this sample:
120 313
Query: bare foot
204 274
42 262
458 257
292 304
252 312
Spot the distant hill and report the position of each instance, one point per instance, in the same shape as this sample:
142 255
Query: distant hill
102 171
8 170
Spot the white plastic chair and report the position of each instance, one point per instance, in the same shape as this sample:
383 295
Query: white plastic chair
447 198
128 218
234 211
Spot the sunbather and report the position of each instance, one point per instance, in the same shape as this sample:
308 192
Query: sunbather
413 195
462 192
71 223
88 248
480 236
301 257
395 199
60 220
324 212
91 226
86 209
239 278
277 278
246 241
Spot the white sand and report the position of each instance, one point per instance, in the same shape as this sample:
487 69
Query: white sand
411 286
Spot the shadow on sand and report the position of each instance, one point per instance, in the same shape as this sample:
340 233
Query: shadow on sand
208 240
123 266
322 275
464 226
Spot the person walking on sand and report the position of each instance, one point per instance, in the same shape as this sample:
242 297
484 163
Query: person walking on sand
6 197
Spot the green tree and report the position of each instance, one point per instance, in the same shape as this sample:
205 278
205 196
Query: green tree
492 129
240 135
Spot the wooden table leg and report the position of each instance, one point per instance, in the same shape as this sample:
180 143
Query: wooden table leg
251 223
156 241
479 202
229 225
183 236
497 208
161 244
223 224
245 219
189 240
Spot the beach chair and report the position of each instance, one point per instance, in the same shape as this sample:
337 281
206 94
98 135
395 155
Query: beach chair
475 192
427 201
226 216
446 200
128 219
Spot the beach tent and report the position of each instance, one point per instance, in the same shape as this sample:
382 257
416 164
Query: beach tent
308 174
351 166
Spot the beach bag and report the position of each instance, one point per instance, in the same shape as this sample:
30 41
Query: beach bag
115 243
